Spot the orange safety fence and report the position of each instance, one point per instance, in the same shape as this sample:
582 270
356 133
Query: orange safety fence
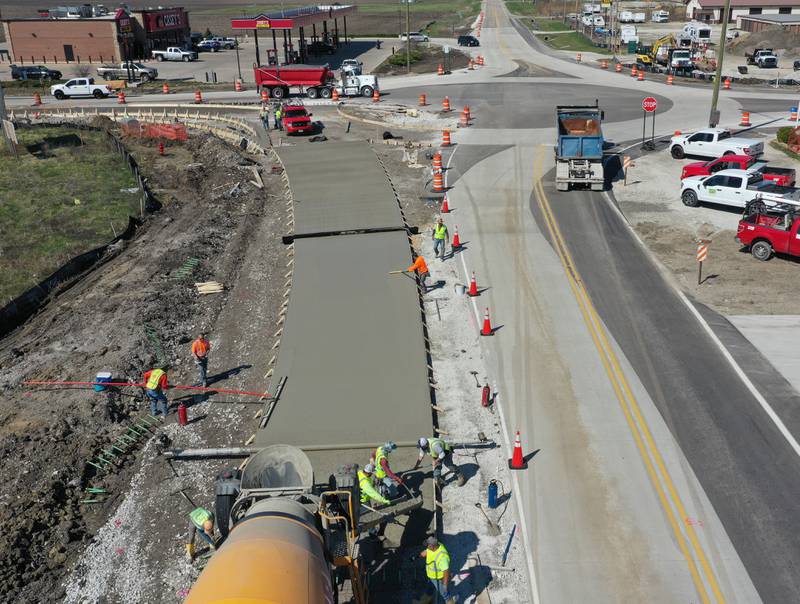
172 132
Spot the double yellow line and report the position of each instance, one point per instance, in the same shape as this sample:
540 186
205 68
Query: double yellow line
653 461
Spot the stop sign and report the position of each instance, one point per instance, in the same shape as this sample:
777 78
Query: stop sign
649 104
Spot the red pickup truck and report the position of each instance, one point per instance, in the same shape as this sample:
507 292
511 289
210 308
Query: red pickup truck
296 120
779 176
767 234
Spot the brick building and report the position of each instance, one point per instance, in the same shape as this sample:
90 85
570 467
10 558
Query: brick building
710 11
109 38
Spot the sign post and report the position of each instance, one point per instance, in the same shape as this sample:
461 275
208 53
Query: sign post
649 105
702 254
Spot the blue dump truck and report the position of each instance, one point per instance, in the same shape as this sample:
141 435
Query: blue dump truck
579 152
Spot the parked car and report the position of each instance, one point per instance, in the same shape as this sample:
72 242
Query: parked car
415 37
173 53
780 176
659 16
208 46
352 67
713 142
80 87
34 72
732 34
296 120
226 43
735 188
766 234
119 71
468 41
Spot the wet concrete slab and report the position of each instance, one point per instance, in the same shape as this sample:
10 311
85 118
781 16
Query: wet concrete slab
352 349
339 187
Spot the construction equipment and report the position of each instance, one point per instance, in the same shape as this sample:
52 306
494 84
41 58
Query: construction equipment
658 52
579 150
286 540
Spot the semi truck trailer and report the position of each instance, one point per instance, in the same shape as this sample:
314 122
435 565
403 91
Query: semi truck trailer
313 80
579 150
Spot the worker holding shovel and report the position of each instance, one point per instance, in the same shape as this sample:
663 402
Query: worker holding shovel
421 267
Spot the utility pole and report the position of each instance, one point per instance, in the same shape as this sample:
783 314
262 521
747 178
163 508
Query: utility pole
4 117
713 118
408 36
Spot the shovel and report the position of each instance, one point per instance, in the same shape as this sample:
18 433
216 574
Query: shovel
494 530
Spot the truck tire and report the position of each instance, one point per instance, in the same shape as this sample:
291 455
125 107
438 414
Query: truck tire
277 92
98 94
159 57
326 92
761 250
677 152
367 91
185 59
689 198
312 92
59 95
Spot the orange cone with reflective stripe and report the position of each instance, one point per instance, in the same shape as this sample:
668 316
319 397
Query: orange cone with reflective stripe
198 97
445 206
446 104
640 76
264 95
487 325
334 95
376 96
456 240
423 100
618 68
440 70
473 286
670 79
438 182
121 98
165 88
517 461
437 162
446 138
745 118
237 85
727 84
37 99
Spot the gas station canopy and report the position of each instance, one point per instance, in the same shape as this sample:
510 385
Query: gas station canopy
293 18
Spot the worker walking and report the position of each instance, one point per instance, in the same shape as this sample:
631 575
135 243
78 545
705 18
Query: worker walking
263 114
442 454
278 118
203 523
421 268
200 349
441 239
387 480
437 567
155 383
368 491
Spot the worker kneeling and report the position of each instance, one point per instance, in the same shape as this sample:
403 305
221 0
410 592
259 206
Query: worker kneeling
368 491
442 454
387 480
203 523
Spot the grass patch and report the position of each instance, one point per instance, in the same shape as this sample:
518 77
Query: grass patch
519 7
424 59
573 41
551 25
41 224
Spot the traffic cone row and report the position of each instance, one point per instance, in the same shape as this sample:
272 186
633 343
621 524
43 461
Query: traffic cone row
633 71
473 286
487 325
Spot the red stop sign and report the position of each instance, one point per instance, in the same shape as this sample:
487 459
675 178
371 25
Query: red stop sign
649 104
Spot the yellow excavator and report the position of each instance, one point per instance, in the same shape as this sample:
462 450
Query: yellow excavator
649 59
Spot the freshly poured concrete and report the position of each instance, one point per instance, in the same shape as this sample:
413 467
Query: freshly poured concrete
352 347
339 187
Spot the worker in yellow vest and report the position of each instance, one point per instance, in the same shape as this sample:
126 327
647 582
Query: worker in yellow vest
442 454
368 492
387 480
203 523
437 567
155 383
441 239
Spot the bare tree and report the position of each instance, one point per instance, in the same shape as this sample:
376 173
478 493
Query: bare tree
82 70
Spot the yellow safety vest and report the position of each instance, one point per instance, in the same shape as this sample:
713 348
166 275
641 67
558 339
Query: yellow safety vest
440 231
437 562
365 485
440 442
200 516
379 455
155 377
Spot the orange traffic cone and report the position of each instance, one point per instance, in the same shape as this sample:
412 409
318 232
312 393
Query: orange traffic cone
745 118
470 65
37 99
473 286
121 98
165 88
334 95
440 70
481 60
264 95
237 85
618 68
727 84
578 57
633 71
604 64
445 209
670 79
446 138
161 148
446 104
517 461
487 325
640 76
438 182
376 96
466 111
198 98
437 162
456 240
423 100
464 119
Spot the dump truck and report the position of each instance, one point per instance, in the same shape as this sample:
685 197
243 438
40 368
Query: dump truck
286 539
579 150
313 80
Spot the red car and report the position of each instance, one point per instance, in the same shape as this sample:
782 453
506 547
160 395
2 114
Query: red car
767 234
296 120
779 176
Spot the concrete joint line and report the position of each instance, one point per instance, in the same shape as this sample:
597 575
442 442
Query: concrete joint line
272 360
276 344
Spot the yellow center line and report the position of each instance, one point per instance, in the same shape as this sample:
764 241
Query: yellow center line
639 429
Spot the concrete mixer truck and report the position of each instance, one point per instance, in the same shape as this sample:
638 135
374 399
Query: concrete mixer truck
287 541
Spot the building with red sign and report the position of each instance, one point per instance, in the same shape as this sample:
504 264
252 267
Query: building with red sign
108 38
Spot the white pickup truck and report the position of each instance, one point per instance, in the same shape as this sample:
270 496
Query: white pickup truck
173 53
712 143
734 188
80 87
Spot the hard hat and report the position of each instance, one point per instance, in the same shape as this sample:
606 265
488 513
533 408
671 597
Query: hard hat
432 541
423 442
390 446
369 468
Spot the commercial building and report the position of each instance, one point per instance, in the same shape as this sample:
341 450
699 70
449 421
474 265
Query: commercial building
107 38
710 11
754 23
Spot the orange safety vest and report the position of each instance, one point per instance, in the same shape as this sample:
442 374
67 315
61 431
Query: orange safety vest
200 347
419 266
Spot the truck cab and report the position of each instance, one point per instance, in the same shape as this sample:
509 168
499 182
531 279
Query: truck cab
296 119
766 234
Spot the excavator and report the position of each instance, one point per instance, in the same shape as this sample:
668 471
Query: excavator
652 57
288 540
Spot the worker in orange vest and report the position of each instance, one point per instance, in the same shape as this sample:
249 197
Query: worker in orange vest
421 267
155 383
200 349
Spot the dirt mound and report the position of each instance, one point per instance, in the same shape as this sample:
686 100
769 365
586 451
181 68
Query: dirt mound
776 38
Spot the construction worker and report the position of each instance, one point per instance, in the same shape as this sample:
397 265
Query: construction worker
200 349
263 115
368 491
442 454
388 481
437 567
278 118
441 238
155 383
421 267
203 523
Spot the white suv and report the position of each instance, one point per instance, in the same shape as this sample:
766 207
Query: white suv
415 37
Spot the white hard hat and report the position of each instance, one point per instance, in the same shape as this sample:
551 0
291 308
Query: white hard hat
369 468
390 446
423 442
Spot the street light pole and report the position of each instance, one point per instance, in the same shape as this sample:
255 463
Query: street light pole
713 118
408 36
